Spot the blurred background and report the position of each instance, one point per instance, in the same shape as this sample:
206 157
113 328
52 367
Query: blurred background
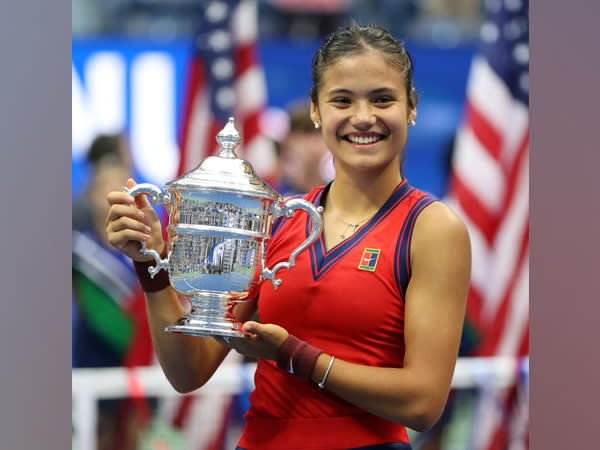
153 82
115 40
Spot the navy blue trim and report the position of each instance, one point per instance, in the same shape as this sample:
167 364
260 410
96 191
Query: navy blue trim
319 242
402 269
391 446
322 260
279 221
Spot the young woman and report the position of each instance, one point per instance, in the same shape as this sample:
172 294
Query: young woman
361 338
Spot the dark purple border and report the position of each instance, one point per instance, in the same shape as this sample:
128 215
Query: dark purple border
35 308
565 225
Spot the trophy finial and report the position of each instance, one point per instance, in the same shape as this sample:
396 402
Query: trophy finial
228 138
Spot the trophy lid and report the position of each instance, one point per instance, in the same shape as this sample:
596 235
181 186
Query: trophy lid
225 171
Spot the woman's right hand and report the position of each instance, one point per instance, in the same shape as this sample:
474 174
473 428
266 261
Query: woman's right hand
131 221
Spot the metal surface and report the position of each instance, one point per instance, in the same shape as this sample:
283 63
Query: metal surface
220 217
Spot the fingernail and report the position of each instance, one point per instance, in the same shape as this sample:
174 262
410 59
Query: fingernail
130 199
140 214
147 229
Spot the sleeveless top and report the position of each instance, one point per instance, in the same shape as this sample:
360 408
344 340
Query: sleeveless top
349 302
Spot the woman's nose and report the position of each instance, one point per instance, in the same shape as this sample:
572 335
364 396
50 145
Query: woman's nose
363 115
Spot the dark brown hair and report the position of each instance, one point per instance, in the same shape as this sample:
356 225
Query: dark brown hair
354 40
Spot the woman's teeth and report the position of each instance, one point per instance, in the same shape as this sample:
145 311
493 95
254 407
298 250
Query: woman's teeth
363 139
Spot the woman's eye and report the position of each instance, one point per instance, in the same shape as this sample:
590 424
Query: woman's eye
342 100
385 99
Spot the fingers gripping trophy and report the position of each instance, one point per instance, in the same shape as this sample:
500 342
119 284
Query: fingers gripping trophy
220 218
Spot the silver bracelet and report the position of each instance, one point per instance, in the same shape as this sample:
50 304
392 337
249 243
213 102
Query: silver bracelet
322 383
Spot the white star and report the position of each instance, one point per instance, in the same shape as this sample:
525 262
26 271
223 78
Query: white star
489 32
216 11
222 68
225 97
512 5
219 40
521 53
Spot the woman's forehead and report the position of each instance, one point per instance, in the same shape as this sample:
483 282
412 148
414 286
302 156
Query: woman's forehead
370 67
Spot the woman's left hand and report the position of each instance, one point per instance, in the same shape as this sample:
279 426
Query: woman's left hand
263 342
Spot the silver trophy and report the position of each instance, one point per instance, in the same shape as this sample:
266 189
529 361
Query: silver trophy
220 218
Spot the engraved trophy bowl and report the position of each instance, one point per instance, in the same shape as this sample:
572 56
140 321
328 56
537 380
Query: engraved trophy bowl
220 217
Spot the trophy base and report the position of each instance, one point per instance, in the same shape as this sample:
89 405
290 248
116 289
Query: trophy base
193 326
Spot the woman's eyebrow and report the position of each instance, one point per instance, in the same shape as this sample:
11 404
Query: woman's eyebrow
380 90
340 91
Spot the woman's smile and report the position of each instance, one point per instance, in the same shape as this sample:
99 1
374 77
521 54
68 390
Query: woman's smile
363 139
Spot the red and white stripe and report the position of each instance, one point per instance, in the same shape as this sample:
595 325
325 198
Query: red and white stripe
490 192
200 127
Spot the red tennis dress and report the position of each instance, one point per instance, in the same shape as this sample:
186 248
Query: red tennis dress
349 302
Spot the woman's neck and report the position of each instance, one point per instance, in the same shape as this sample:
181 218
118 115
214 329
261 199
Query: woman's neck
357 196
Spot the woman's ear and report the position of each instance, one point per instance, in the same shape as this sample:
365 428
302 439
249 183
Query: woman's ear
314 114
412 105
414 98
412 114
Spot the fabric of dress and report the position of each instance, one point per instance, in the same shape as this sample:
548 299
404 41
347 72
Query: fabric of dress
349 302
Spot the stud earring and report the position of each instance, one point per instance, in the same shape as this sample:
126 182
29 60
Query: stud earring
316 124
412 122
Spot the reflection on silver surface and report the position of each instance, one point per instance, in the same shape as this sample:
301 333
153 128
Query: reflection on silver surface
212 263
198 211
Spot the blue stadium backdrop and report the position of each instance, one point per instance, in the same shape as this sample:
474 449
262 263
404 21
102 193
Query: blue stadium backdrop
136 85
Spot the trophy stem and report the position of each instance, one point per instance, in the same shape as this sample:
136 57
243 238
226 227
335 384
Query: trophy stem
211 315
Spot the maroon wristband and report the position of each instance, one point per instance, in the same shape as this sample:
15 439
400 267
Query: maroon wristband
297 357
160 280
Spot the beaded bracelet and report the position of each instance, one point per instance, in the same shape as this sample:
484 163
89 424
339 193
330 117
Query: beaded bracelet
297 357
160 280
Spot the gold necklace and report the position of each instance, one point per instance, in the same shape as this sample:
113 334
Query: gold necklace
354 225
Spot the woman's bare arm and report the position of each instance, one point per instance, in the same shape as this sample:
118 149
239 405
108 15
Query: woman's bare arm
416 394
187 361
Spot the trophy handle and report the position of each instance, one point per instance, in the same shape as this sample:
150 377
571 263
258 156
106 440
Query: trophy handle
287 208
157 197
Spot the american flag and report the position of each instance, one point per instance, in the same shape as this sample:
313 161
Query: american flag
225 78
490 191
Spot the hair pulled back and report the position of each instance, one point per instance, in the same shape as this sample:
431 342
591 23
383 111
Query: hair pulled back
354 40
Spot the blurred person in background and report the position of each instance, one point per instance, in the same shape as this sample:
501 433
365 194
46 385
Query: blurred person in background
304 160
107 330
102 278
361 338
106 150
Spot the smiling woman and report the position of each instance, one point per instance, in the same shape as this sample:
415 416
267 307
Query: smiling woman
361 338
364 99
364 117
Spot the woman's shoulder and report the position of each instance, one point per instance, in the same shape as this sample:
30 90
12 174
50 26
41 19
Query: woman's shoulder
438 221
